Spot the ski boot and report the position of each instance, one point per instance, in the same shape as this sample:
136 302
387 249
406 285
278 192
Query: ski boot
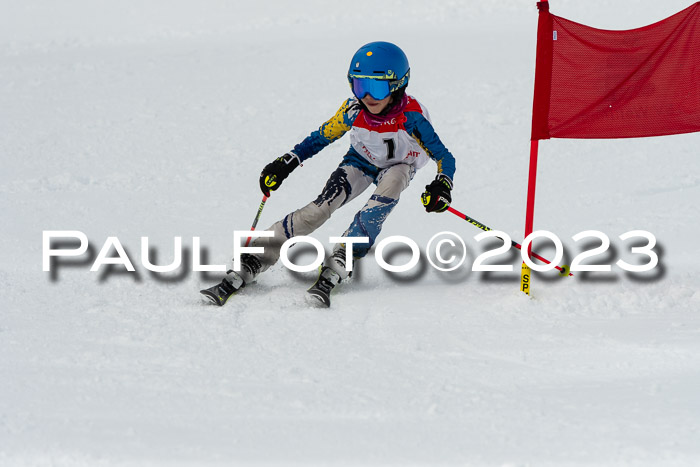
229 285
321 290
234 281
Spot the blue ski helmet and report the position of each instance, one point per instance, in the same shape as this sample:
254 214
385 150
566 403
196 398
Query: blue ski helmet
378 69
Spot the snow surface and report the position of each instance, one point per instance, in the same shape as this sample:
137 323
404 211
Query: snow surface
153 118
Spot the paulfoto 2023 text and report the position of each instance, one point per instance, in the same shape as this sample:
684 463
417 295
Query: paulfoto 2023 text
441 242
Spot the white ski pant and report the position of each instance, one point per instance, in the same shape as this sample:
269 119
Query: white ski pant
345 184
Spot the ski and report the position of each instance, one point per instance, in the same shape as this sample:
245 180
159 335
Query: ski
320 291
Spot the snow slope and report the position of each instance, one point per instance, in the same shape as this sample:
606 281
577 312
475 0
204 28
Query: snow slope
154 118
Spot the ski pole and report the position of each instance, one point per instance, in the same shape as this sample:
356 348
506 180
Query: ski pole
562 270
257 217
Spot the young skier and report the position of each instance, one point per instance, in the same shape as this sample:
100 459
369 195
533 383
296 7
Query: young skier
391 136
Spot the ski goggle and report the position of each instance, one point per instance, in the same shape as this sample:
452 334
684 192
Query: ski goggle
377 88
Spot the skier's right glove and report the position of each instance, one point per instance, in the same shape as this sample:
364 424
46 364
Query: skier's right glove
437 196
276 171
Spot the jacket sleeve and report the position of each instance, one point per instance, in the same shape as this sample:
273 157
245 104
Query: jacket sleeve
331 130
422 130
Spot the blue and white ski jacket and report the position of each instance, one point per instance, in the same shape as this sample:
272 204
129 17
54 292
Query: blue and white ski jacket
408 138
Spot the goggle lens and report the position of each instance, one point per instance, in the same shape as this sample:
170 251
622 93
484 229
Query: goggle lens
378 89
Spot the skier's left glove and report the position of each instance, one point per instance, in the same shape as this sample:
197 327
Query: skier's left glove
437 196
276 171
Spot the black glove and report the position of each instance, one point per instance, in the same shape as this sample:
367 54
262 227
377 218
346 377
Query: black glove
437 197
276 171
